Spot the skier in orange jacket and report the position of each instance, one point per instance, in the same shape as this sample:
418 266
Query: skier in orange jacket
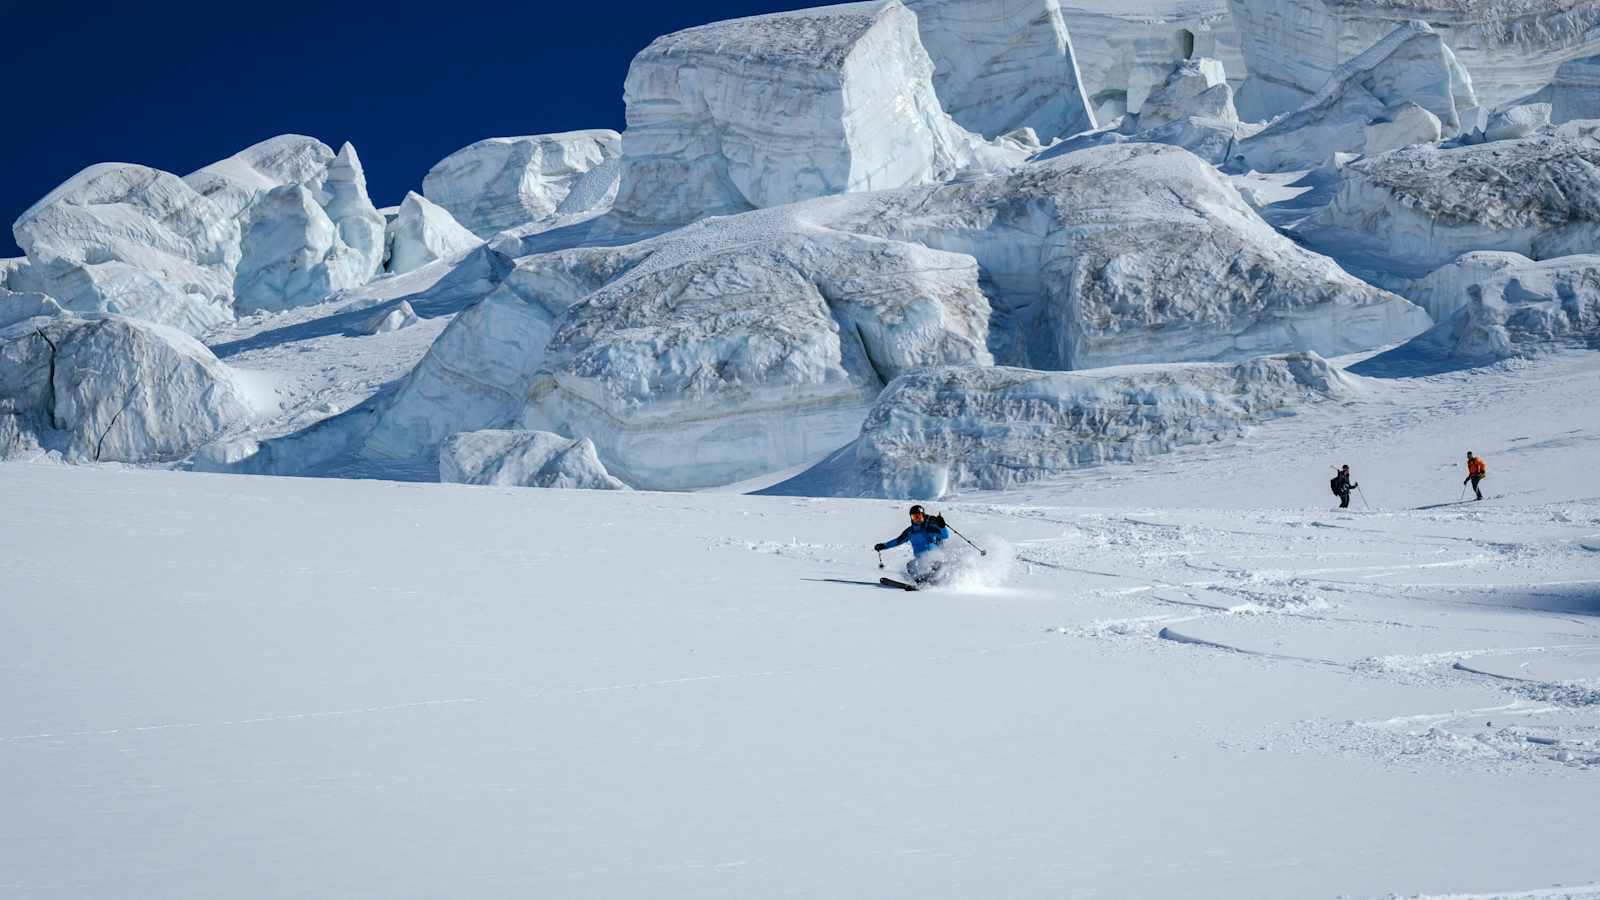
1476 472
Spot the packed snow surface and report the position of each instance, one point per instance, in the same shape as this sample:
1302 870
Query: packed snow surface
1200 683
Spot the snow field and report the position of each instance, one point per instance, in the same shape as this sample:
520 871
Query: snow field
434 689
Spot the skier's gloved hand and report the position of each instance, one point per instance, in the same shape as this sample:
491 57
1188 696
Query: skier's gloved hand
938 520
878 547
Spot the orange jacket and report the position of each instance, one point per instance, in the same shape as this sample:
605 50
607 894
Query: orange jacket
1476 467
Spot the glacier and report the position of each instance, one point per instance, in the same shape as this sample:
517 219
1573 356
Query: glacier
1512 47
1411 65
948 430
1419 208
759 112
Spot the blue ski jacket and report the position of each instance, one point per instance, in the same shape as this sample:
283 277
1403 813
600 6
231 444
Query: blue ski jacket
922 537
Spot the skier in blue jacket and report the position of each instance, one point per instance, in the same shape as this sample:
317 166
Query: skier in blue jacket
926 533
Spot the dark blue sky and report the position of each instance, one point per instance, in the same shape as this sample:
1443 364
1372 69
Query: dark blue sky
178 85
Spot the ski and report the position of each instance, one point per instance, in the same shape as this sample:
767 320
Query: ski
890 582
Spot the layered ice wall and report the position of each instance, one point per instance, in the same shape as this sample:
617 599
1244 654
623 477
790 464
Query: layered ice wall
1000 65
507 182
1511 47
944 430
758 112
1125 49
1409 66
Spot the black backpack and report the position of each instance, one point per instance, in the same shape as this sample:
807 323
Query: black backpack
1334 484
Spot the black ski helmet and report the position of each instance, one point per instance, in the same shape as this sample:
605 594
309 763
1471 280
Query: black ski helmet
917 510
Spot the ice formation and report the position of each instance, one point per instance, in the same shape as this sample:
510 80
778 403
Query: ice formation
1419 208
524 459
1491 305
1511 47
947 430
1575 92
1516 122
390 317
1405 126
132 240
1410 65
15 306
1192 109
501 183
1168 264
235 183
661 353
136 241
422 232
1000 65
758 112
1124 50
110 388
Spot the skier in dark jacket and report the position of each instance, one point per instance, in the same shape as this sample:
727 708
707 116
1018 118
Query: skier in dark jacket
1342 486
926 533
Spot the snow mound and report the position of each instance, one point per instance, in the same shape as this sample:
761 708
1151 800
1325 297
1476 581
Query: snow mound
110 388
524 459
763 111
1512 47
132 240
1411 65
999 66
947 430
422 232
505 182
1492 306
1421 207
1405 126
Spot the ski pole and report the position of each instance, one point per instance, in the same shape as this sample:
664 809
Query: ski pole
981 551
1363 497
880 559
1463 496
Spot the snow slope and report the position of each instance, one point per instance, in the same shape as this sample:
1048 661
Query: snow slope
493 692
